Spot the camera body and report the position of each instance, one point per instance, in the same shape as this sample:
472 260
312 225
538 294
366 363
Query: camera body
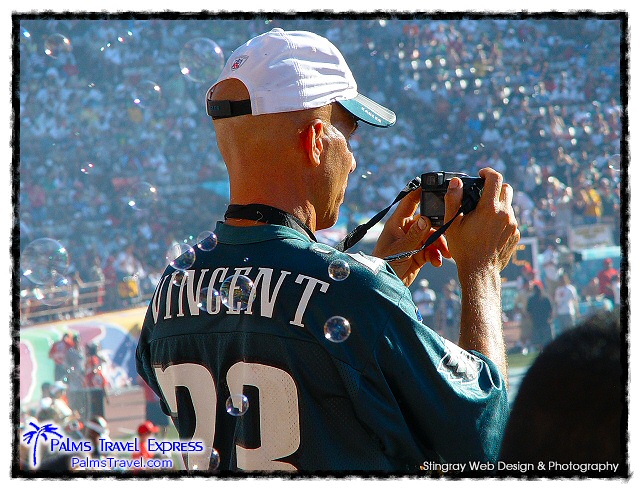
434 186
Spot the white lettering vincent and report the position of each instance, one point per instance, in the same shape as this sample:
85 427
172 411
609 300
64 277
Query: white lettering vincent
184 299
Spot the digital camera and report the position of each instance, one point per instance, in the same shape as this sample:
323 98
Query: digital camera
434 186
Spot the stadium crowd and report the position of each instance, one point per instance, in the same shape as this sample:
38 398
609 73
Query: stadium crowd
113 147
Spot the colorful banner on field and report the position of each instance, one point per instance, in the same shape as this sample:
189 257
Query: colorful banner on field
116 333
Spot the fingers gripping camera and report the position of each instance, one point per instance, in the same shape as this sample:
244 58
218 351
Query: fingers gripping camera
434 187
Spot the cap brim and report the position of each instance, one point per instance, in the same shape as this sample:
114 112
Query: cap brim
369 111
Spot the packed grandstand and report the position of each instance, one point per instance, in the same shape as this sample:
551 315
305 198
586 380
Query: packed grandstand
117 159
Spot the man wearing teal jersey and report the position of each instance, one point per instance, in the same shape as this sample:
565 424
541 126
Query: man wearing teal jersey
280 354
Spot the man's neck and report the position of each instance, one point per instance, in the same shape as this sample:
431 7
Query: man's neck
303 212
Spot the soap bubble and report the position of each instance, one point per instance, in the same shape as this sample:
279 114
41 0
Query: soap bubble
235 291
126 37
614 162
201 60
57 45
339 270
207 299
207 241
181 256
337 329
141 196
146 93
214 461
237 405
44 260
179 277
56 292
87 169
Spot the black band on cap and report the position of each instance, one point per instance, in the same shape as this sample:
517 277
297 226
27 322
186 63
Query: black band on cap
219 109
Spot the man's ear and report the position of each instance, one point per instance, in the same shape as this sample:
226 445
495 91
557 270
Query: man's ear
312 141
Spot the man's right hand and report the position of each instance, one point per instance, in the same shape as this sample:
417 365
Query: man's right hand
482 242
487 236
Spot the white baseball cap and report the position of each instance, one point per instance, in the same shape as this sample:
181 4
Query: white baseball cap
290 71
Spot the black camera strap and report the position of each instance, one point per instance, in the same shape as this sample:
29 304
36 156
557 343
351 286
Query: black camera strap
432 238
268 215
468 204
360 231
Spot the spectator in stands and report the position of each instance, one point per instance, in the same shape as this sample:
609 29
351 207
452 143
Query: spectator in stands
111 285
540 310
426 300
95 429
70 172
58 353
551 268
591 291
615 287
448 313
605 278
54 405
95 387
520 310
146 430
567 305
74 378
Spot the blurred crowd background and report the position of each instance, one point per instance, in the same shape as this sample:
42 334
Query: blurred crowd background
117 158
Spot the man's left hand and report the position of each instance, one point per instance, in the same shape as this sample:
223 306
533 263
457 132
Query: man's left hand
405 231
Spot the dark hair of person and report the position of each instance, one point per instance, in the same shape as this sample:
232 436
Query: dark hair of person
570 406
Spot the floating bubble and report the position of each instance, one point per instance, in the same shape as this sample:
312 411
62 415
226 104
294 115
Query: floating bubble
235 292
38 293
87 169
57 45
237 405
146 93
614 162
141 196
213 463
179 277
126 37
181 256
207 298
55 293
339 270
337 329
201 60
44 260
214 460
207 241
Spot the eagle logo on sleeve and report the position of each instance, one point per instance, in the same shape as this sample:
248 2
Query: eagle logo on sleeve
459 365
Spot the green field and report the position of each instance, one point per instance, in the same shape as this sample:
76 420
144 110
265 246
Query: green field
521 360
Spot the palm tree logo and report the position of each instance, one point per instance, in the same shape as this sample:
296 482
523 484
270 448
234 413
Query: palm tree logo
34 435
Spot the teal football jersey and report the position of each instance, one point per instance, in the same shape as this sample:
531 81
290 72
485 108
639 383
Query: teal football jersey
276 353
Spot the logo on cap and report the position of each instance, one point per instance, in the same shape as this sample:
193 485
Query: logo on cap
371 114
237 63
